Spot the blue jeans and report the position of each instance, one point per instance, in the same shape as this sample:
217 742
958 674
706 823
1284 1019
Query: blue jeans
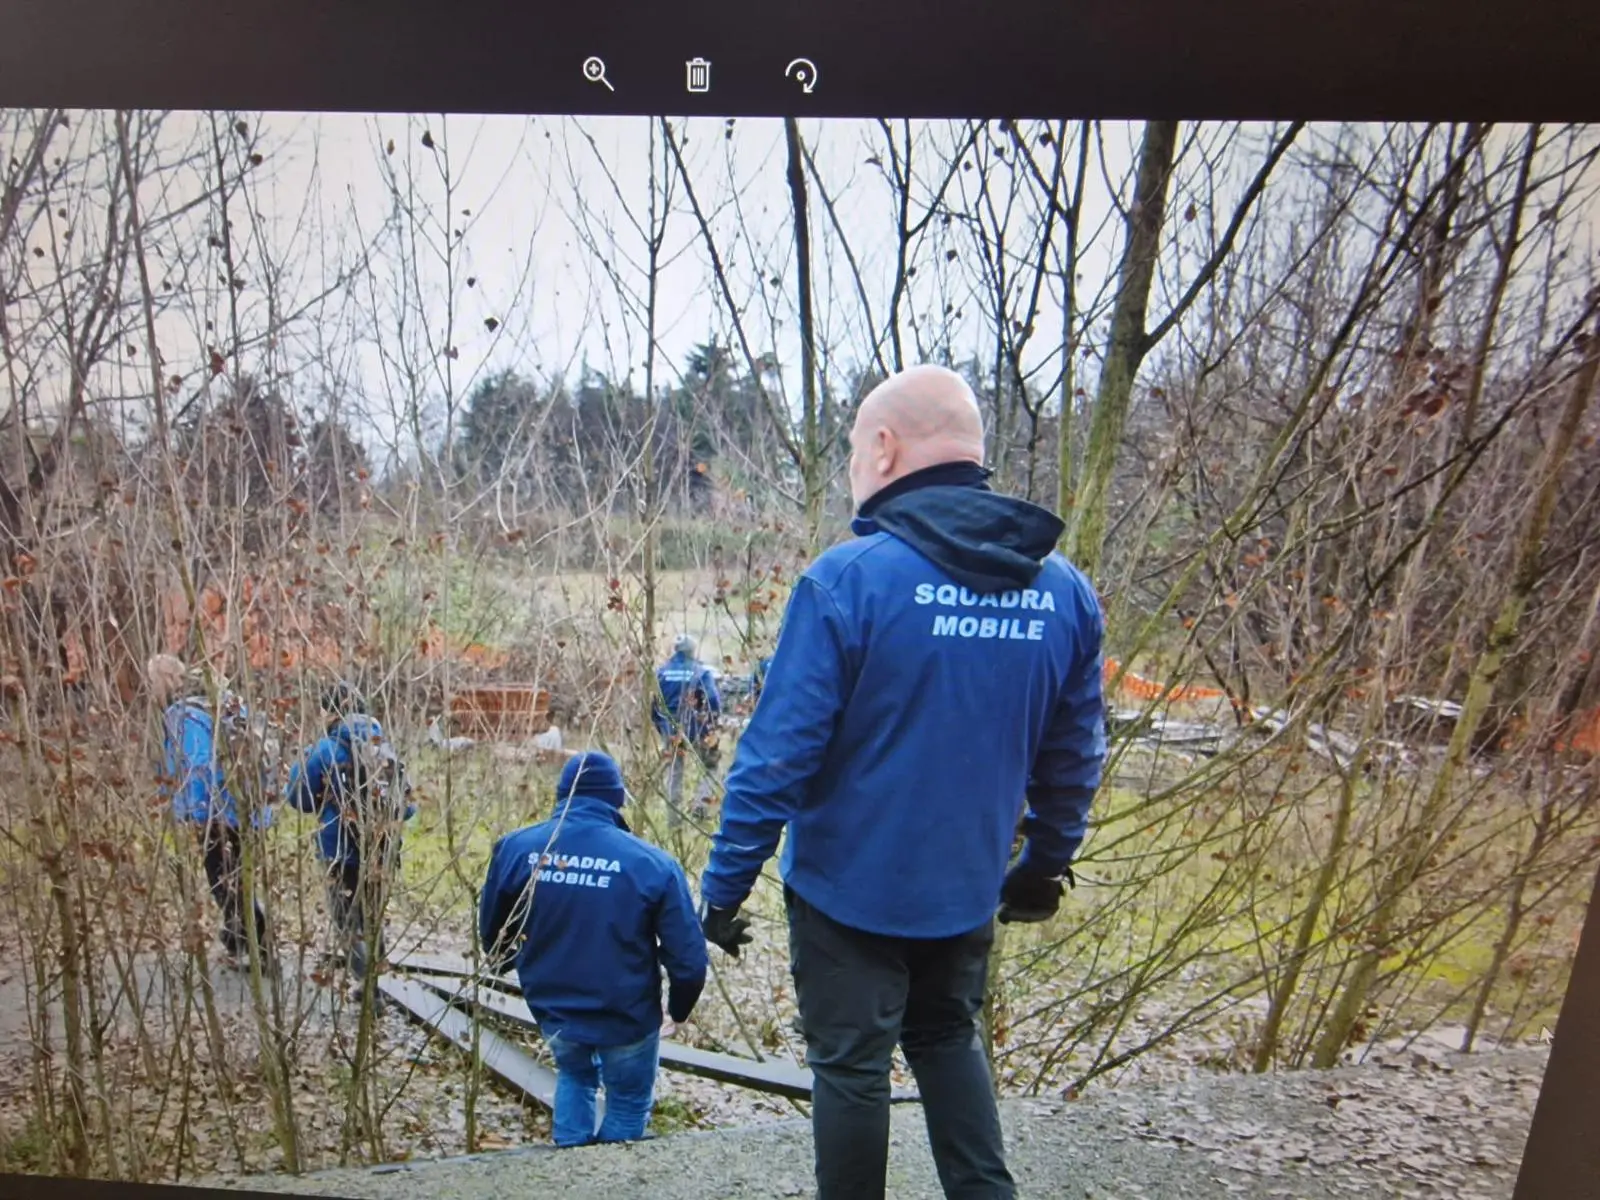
628 1074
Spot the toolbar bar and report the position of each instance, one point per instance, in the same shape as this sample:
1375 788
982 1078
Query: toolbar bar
800 72
1128 59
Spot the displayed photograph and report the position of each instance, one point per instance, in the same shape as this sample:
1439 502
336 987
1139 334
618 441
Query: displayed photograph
541 631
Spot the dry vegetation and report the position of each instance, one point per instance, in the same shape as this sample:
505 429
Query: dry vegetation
1317 402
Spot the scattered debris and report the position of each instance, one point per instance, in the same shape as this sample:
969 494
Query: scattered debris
452 745
1157 732
1418 717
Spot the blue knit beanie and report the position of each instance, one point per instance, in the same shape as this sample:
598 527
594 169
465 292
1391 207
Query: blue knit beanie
591 774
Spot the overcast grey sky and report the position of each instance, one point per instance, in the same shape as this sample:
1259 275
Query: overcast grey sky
543 193
550 214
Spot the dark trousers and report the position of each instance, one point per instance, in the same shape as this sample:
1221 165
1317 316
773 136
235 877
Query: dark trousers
860 995
680 750
351 891
219 843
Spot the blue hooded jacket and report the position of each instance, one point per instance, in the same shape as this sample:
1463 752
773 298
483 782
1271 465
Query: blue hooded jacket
193 767
940 676
590 939
316 784
680 678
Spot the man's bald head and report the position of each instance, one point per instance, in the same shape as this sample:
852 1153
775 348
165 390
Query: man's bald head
919 418
167 675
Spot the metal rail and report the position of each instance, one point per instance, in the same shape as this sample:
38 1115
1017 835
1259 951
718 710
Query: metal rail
512 1064
500 997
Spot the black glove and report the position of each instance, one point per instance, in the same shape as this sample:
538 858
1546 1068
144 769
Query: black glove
724 927
1028 896
682 995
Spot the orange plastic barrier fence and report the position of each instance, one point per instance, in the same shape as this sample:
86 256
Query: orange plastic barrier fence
1145 689
1585 737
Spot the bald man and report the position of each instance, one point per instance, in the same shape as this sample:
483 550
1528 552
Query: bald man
935 680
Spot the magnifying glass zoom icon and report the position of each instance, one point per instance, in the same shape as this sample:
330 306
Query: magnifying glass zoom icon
594 70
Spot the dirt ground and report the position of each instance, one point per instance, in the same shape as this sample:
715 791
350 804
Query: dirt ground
1418 1123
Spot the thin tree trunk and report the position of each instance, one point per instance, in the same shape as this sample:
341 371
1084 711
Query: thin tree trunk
1502 275
1126 345
1066 431
1266 1050
70 959
811 441
651 549
1515 913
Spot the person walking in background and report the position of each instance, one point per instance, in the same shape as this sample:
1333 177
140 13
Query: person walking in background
685 714
354 780
202 745
589 915
935 680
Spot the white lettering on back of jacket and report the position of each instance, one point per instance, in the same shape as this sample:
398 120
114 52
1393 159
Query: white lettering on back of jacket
1012 629
572 870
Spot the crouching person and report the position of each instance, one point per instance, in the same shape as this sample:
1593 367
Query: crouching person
589 915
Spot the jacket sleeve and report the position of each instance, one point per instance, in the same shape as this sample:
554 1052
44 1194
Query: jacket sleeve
783 746
713 697
495 907
1066 770
683 946
308 777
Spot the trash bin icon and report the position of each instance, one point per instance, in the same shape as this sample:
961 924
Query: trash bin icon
699 75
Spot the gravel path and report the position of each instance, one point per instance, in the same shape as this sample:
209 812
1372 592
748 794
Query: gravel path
1416 1125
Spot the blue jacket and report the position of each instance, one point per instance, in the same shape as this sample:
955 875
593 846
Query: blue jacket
608 912
682 680
316 784
938 678
192 767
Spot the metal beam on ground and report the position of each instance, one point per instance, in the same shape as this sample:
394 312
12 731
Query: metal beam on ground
453 966
427 1007
773 1078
